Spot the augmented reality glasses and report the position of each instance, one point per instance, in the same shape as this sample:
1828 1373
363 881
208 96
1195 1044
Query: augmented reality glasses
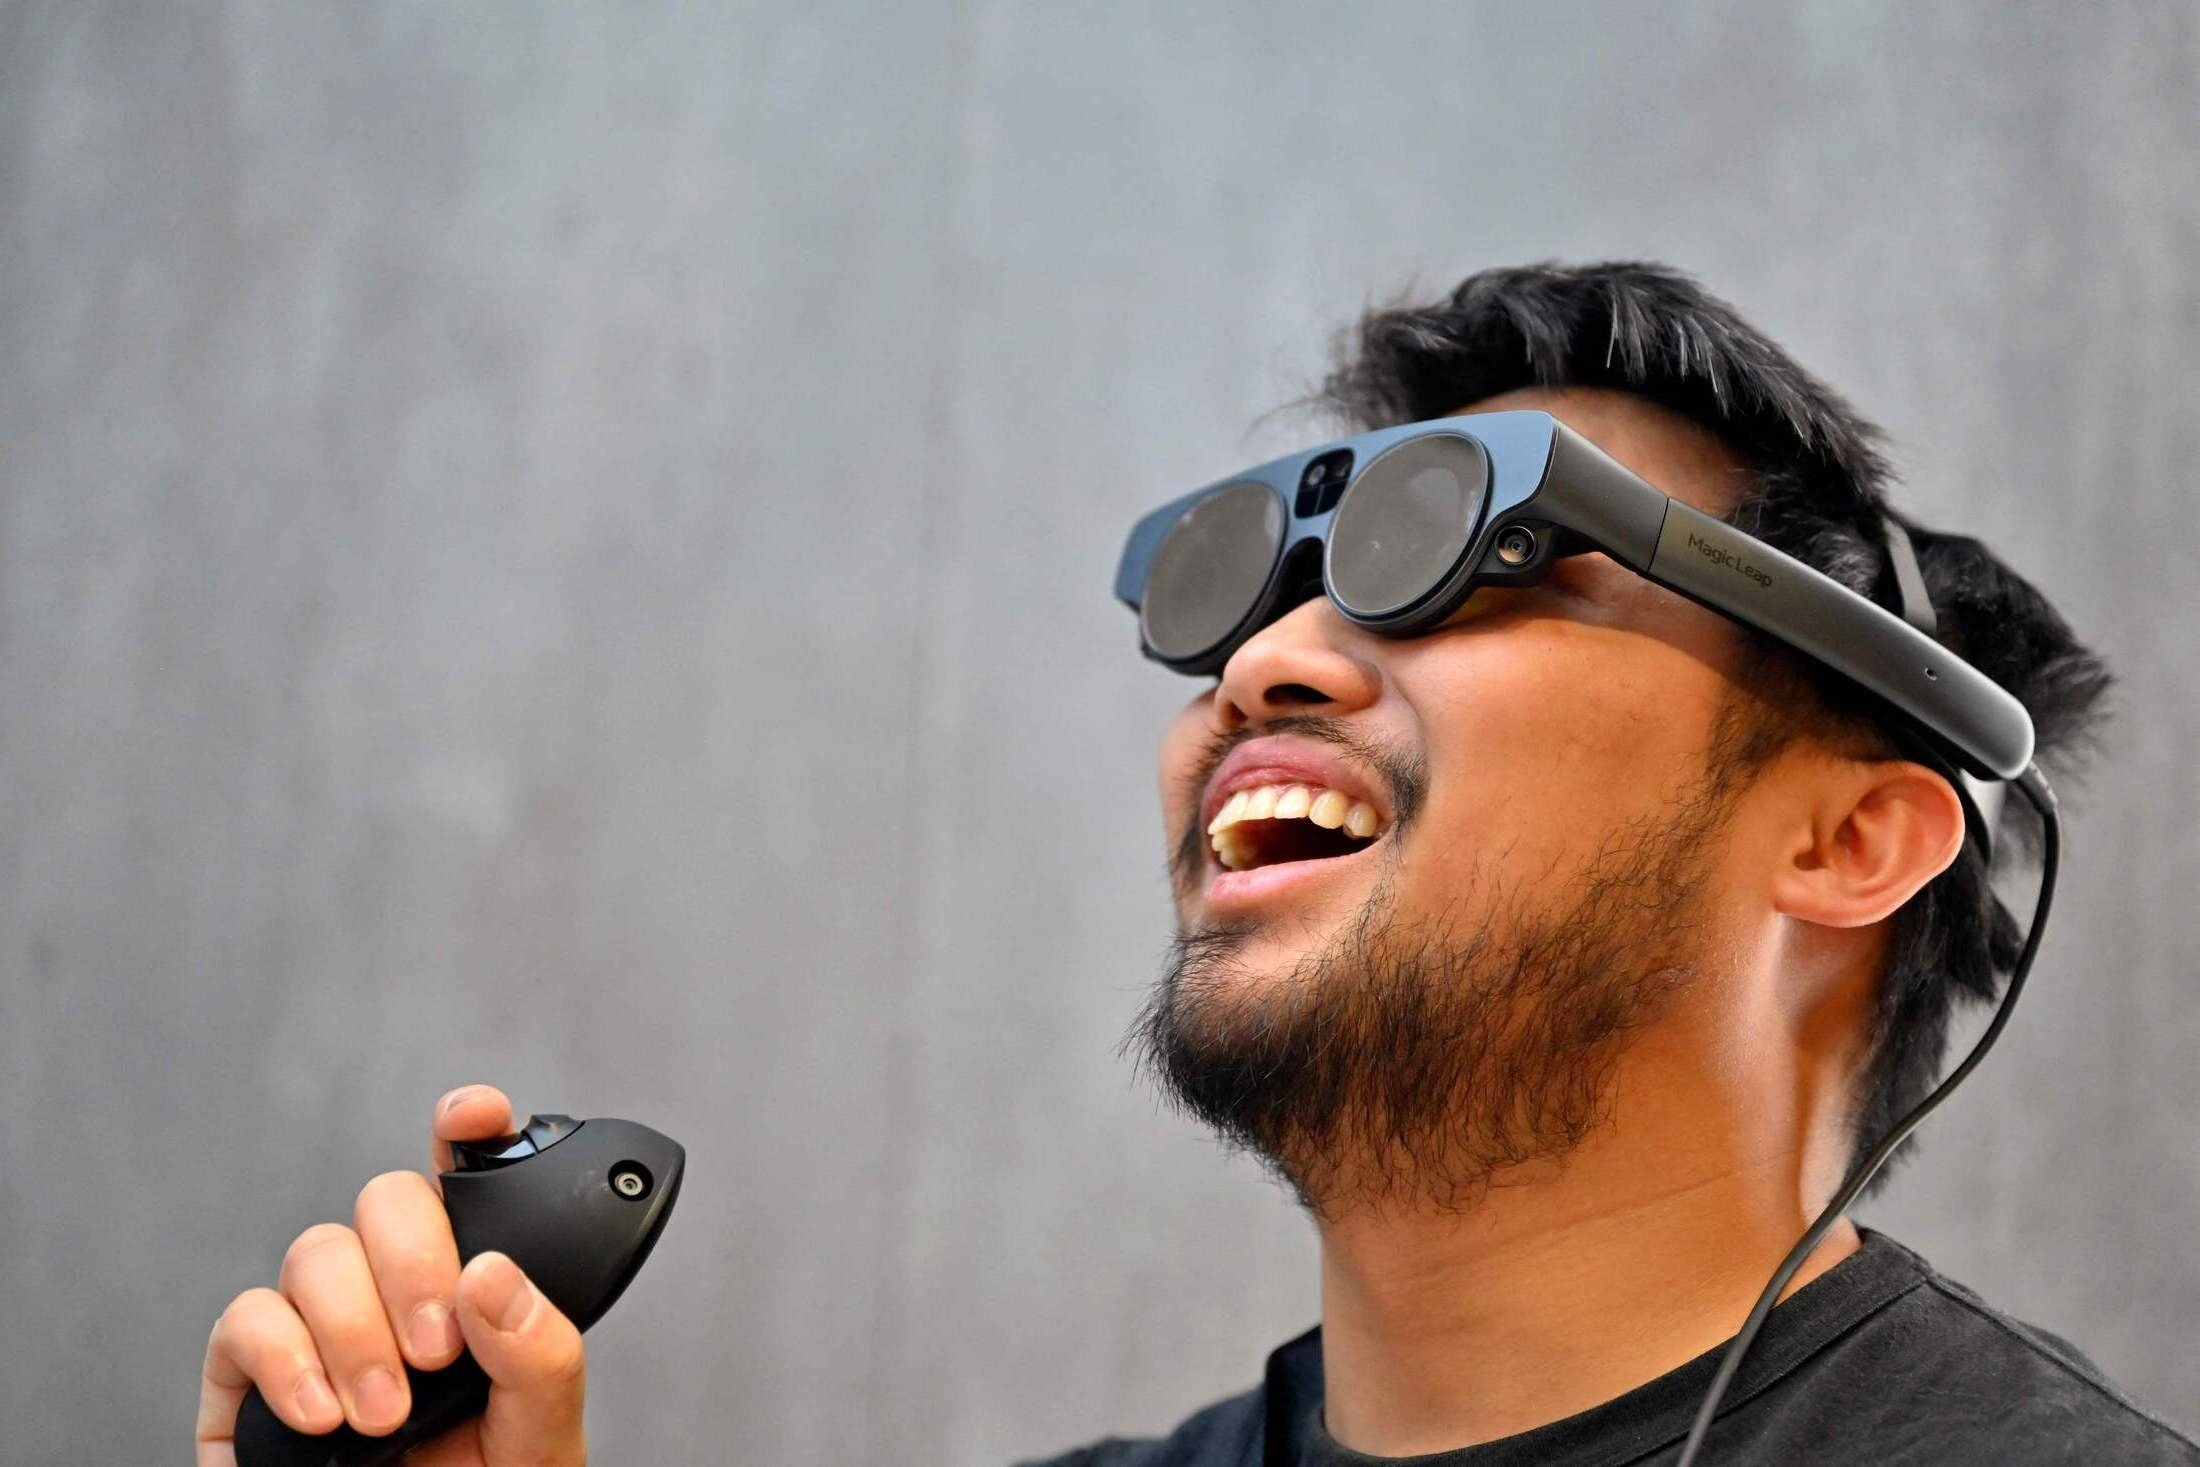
1399 526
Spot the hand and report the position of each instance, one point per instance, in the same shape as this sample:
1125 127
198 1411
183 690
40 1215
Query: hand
325 1345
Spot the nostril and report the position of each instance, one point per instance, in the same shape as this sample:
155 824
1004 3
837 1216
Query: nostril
1296 693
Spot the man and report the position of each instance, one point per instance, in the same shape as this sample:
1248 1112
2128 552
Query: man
1560 959
1658 931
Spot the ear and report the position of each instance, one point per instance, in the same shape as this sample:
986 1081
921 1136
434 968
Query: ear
1874 839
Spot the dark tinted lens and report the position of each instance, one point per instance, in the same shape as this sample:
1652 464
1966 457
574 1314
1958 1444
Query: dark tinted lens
1405 522
1210 568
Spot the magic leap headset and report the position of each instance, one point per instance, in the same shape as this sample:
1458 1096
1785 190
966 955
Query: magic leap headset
1399 526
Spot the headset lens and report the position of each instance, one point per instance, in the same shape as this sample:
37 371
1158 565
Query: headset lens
1209 570
1403 525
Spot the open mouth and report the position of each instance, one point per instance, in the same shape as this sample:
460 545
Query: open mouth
1277 823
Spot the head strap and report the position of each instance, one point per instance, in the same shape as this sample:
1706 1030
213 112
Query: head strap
1909 583
1982 798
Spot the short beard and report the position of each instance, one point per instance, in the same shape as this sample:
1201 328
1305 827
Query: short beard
1413 1065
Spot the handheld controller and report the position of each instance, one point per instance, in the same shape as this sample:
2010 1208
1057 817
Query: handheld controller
576 1204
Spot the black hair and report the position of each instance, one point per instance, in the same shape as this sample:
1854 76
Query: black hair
1816 488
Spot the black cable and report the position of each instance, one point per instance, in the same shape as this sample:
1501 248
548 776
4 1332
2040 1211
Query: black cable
2035 788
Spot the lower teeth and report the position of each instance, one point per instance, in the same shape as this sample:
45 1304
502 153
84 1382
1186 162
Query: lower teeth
1233 856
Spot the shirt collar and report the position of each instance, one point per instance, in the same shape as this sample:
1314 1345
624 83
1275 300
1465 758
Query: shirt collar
1659 1410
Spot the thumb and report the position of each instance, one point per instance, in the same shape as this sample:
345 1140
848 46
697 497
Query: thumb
532 1355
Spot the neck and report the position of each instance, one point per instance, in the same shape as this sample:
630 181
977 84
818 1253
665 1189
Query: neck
1574 1281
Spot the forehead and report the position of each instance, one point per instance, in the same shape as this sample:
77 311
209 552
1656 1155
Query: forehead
1681 457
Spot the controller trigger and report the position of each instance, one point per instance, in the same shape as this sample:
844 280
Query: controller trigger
547 1131
487 1156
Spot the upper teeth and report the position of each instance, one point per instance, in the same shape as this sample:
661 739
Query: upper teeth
1325 807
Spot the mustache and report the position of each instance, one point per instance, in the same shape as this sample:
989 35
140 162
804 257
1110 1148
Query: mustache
1403 772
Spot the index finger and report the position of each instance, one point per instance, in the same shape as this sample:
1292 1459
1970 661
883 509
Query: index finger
469 1113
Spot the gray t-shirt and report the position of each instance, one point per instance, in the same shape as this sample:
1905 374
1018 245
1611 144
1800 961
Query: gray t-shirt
1877 1360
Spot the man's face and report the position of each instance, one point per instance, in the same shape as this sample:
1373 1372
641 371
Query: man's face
1549 776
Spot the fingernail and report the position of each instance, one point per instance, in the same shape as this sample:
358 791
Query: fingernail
507 1299
434 1332
378 1398
452 1101
316 1402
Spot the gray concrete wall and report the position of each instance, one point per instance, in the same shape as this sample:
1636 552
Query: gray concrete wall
570 546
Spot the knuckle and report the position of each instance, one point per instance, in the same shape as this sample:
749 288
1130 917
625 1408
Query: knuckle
315 1241
389 1188
247 1306
565 1363
320 1238
253 1332
352 1325
402 1273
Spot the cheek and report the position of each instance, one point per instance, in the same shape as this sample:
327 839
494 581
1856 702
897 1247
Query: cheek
1544 740
1181 744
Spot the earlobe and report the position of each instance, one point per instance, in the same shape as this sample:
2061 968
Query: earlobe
1873 843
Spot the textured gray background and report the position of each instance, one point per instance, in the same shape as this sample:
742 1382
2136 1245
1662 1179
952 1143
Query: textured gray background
572 548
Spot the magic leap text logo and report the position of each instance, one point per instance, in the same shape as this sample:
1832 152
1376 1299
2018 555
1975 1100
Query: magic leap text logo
1727 558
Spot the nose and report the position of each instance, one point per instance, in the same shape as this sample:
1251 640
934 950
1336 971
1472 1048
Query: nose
1307 661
